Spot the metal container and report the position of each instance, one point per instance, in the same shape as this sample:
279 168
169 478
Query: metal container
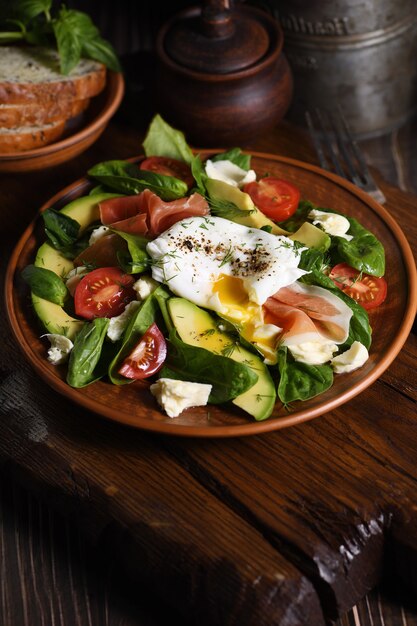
360 54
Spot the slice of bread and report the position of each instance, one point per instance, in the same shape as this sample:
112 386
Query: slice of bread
29 137
16 115
30 75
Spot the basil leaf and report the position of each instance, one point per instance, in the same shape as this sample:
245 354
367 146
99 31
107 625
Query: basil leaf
128 178
138 259
101 50
228 378
68 38
164 140
86 352
45 284
61 230
236 156
364 252
359 329
301 381
28 9
138 325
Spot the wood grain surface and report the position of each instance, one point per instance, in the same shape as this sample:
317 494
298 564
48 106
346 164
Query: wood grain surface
294 527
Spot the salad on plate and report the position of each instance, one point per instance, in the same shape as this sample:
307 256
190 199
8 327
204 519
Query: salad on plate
215 282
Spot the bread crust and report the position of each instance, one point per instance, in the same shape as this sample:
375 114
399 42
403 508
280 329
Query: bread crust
30 137
16 115
53 92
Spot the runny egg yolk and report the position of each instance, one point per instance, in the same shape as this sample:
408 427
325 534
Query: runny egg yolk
249 315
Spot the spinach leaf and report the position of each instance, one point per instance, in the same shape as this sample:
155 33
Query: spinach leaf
227 377
137 259
364 252
311 259
61 230
86 353
138 325
360 329
162 296
236 156
199 173
164 140
128 178
45 284
301 381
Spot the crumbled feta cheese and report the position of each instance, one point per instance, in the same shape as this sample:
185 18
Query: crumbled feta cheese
144 286
97 234
350 360
176 395
229 173
60 348
73 278
118 323
313 352
332 224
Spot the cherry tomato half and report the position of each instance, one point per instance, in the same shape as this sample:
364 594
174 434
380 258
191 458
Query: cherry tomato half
369 291
104 292
147 356
276 198
168 167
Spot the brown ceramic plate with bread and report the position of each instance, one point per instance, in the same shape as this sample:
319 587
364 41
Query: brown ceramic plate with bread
58 130
134 405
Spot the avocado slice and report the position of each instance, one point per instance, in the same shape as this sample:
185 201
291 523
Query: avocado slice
85 211
312 237
255 218
198 328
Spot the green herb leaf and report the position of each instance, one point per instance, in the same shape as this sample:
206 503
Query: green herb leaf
128 178
138 325
364 252
200 176
164 140
236 156
226 209
101 50
137 260
86 353
61 230
45 284
228 378
29 9
301 381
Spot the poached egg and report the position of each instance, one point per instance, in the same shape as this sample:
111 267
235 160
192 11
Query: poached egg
229 268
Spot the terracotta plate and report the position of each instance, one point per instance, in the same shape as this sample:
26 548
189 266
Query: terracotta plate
80 133
134 405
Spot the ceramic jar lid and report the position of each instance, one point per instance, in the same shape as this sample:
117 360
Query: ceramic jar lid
218 40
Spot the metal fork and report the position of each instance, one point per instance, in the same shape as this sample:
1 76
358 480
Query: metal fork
337 150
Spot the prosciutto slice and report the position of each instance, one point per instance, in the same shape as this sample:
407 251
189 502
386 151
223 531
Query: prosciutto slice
146 214
118 209
308 313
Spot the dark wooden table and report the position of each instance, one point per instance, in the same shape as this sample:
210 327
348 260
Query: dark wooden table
291 528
